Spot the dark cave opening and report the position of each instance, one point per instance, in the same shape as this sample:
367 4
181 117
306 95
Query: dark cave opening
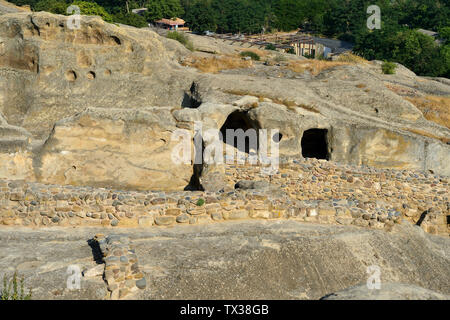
245 140
315 144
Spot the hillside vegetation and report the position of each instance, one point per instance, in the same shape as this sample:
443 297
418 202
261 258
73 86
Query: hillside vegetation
398 39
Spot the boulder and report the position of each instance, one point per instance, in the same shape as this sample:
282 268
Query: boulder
115 148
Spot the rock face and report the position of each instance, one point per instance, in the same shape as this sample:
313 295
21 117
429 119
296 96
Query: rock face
101 81
51 71
97 105
236 260
118 148
7 7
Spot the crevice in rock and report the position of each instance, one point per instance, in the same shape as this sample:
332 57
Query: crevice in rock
96 251
192 98
422 218
194 183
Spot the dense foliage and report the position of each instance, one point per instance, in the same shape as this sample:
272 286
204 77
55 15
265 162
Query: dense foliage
397 40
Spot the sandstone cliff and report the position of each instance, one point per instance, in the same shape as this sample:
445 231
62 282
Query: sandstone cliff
52 76
87 117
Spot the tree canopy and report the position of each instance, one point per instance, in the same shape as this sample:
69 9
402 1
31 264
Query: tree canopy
397 40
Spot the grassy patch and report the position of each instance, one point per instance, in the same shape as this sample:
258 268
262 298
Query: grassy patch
434 108
216 64
400 90
200 202
181 38
351 58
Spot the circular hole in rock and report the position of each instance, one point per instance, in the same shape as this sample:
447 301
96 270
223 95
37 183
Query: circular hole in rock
91 75
116 40
107 72
71 75
277 137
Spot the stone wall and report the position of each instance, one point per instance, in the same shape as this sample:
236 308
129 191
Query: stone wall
121 273
311 190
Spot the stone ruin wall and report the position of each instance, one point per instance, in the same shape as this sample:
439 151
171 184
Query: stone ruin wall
311 191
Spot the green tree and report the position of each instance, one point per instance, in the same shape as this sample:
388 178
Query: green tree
158 9
200 17
53 6
290 14
410 48
130 19
93 9
426 14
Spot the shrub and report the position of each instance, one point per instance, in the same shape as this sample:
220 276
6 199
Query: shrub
388 67
14 290
181 38
200 202
271 46
290 50
252 55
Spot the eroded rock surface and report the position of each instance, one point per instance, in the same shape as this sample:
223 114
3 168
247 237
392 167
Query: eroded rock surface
388 291
234 260
52 75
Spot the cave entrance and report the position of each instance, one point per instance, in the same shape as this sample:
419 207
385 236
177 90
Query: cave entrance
315 144
245 140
